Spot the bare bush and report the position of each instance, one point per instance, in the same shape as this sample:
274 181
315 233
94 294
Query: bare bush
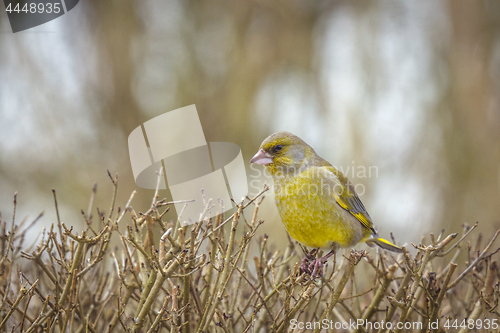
219 275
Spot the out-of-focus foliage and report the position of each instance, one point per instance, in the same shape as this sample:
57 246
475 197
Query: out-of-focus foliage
411 88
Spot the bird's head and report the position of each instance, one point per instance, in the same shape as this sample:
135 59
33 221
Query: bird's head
283 153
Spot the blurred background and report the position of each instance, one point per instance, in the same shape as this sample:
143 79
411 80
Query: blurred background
406 90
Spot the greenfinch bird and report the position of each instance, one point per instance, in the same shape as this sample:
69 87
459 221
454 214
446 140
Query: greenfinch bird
317 203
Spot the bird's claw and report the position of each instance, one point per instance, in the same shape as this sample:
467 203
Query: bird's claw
317 267
304 267
313 266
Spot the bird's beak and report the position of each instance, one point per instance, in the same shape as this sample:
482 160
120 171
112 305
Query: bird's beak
262 158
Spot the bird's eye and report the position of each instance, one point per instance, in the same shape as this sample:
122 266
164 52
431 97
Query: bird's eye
277 148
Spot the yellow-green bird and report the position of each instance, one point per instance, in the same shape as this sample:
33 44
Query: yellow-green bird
317 203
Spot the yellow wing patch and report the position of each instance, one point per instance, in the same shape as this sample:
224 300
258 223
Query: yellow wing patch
361 216
349 200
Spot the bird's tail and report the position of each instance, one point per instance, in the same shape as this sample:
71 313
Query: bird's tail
385 244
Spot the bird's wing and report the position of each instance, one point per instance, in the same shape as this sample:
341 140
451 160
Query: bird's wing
347 198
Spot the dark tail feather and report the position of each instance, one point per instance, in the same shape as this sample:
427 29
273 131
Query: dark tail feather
385 244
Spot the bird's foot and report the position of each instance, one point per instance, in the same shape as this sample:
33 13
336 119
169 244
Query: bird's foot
314 267
310 257
304 267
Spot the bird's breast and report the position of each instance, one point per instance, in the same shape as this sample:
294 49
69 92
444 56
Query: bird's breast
311 214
